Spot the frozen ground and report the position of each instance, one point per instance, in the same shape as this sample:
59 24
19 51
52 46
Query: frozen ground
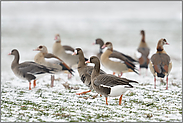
43 103
79 25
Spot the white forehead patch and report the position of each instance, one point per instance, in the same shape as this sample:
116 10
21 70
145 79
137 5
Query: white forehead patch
75 51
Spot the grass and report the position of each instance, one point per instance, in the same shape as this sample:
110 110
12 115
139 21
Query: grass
143 104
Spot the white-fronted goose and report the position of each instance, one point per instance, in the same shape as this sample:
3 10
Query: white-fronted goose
115 54
115 66
59 51
29 70
84 70
107 84
144 50
160 64
53 61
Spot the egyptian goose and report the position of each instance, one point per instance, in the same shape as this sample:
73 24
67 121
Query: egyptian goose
28 70
60 51
115 66
144 50
115 54
160 64
50 60
84 70
107 84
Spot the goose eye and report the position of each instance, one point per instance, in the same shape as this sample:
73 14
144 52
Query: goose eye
40 47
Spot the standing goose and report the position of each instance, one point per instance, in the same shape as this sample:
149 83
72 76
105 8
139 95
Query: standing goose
144 50
52 61
84 70
116 67
107 84
160 64
115 54
60 51
28 70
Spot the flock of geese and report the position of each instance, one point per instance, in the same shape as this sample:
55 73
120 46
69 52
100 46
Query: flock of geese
95 78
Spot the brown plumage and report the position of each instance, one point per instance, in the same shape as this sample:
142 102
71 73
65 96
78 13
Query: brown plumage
107 84
29 70
114 54
160 64
52 61
84 70
144 50
115 66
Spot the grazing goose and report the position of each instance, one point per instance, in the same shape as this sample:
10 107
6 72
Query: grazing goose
144 50
115 54
107 84
50 60
115 66
28 70
84 70
160 64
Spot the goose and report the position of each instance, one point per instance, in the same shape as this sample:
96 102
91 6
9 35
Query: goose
59 51
160 64
115 66
115 54
28 70
144 50
50 60
84 70
107 84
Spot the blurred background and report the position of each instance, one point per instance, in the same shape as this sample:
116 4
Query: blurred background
25 25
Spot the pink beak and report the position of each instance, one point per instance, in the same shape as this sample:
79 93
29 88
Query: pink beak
103 46
87 62
167 43
74 53
55 38
9 53
36 49
93 43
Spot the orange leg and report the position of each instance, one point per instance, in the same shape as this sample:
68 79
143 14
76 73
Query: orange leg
120 99
83 92
106 100
29 85
113 73
34 83
52 80
155 82
167 83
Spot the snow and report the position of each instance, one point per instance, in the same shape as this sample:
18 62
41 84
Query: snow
79 25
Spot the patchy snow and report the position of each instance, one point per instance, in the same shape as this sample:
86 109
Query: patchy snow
79 25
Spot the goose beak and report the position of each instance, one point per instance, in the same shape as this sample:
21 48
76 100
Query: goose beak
9 53
74 53
103 46
36 49
87 62
93 43
167 43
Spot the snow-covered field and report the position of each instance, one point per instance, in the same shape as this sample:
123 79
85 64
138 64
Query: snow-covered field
26 25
